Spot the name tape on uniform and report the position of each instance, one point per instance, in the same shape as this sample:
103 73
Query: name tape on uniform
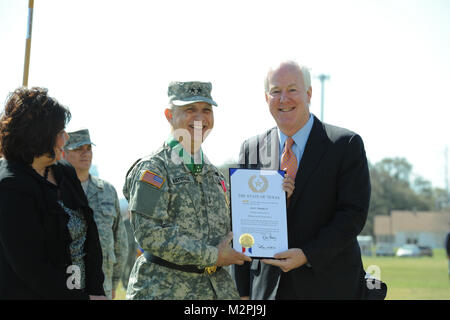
181 179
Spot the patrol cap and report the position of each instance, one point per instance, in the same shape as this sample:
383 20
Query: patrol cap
77 139
183 93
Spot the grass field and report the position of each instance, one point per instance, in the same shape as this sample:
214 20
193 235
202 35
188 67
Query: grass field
415 278
421 278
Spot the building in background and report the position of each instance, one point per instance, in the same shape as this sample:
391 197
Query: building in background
424 228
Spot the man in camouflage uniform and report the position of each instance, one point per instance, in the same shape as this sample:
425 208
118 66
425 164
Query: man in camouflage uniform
179 209
103 200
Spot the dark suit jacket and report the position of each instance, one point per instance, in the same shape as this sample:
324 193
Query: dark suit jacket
34 238
327 211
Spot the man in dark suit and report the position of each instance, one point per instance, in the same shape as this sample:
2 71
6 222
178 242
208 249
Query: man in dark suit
328 207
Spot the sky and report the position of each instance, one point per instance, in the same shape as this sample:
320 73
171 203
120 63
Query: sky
110 63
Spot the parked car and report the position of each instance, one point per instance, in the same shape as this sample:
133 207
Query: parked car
426 251
408 250
384 249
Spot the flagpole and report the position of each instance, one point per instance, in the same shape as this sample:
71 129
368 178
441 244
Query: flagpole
26 66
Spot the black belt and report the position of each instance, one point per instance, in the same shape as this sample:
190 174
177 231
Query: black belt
185 268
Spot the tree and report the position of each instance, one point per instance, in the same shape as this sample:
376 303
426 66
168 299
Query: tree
393 190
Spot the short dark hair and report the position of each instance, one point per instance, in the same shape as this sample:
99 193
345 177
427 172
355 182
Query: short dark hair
30 123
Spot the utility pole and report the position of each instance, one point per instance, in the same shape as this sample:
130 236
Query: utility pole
322 78
26 66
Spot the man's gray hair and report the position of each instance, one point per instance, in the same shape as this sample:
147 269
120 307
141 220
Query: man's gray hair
303 69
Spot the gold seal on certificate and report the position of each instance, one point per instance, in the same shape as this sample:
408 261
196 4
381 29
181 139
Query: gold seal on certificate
247 241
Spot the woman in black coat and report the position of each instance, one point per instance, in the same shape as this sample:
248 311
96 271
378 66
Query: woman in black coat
49 244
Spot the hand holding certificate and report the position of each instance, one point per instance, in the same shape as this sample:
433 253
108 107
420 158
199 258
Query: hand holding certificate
258 210
227 256
288 260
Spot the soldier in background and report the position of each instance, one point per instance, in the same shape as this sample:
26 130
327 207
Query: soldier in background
103 200
179 209
133 251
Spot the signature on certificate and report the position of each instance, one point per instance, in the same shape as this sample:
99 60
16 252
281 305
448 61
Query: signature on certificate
264 247
269 237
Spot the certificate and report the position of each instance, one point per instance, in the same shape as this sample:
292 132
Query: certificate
258 212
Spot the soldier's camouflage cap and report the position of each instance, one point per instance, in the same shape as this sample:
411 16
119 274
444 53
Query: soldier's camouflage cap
77 139
183 93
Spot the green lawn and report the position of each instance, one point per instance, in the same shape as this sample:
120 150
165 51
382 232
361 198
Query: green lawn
421 278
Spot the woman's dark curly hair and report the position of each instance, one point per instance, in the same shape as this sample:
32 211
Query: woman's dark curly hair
30 123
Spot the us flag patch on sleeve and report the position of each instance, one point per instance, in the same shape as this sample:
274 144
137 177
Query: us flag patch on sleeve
152 178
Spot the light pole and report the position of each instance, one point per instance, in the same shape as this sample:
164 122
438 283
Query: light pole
446 175
26 66
322 78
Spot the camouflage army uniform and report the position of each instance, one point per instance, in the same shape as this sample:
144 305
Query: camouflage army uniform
182 222
103 199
